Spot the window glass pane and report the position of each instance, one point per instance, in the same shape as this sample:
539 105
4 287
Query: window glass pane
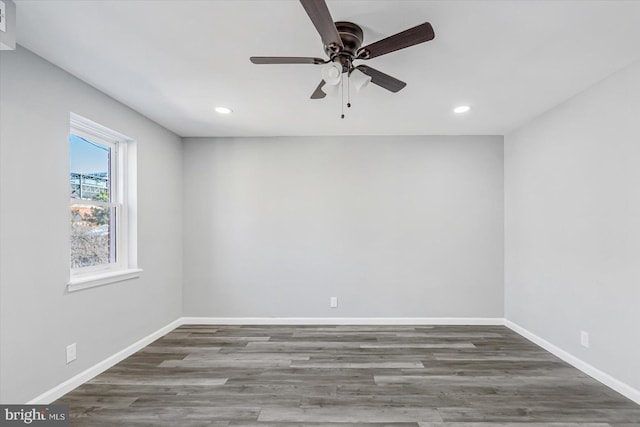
89 169
92 235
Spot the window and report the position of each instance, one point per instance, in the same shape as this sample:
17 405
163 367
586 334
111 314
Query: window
102 242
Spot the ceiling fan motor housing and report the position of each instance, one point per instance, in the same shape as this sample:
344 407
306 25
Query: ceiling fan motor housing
352 37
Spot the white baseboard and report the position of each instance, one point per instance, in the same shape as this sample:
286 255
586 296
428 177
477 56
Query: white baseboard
343 321
84 376
606 379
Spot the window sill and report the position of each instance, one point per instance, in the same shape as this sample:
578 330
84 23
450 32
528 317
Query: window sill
99 279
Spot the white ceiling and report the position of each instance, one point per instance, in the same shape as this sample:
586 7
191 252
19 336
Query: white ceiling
174 61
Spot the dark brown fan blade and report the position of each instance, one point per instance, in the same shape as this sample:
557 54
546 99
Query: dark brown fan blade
321 18
420 34
318 93
285 60
381 79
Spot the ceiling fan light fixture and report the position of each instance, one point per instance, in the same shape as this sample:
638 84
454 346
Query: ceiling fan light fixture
330 89
461 109
359 79
331 73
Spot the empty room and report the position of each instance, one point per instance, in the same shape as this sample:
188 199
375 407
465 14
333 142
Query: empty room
341 213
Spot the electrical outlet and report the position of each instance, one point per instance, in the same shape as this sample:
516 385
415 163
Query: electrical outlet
333 302
71 352
584 339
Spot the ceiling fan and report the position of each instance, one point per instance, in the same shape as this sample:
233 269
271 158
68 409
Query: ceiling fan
342 44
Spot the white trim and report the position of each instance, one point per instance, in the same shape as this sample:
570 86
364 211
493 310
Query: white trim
84 376
91 281
488 321
93 129
606 379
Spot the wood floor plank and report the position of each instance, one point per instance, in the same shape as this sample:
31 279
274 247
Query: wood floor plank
351 414
418 345
346 376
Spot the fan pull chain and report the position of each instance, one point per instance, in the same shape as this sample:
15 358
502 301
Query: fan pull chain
348 92
342 96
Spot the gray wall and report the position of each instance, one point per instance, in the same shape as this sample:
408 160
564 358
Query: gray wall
392 226
572 198
38 318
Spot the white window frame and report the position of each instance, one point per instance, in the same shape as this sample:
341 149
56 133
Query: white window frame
122 197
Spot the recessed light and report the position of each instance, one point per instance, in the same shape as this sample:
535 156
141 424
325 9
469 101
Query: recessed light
461 109
224 110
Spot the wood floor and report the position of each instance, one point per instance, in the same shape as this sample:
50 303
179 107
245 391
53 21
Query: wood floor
347 376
